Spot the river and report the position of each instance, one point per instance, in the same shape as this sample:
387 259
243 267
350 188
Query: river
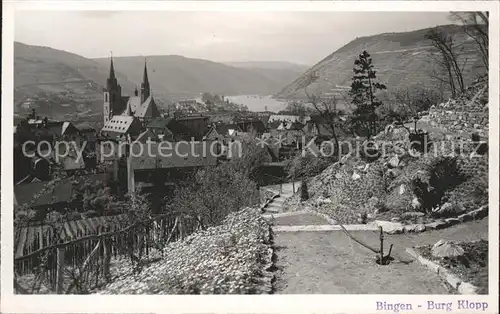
257 103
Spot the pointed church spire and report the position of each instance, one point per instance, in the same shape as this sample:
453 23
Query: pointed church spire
145 79
112 69
145 88
112 81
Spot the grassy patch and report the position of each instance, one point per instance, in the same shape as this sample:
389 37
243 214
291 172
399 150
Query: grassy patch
472 267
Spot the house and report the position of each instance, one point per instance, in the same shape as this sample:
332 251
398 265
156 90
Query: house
291 132
320 128
177 156
287 118
196 123
169 129
212 134
252 126
222 117
190 106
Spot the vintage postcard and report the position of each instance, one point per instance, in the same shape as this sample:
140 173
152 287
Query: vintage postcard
250 157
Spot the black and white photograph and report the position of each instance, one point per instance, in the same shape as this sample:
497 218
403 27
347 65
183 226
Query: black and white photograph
253 152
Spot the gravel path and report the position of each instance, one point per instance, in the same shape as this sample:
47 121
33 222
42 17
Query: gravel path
332 263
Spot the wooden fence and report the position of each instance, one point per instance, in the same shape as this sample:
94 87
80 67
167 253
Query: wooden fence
75 256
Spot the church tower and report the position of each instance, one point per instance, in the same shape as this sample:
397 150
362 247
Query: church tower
145 88
112 94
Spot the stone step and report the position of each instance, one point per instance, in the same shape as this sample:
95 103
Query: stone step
273 205
279 200
272 210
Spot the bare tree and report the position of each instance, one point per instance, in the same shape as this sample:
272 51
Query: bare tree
446 45
475 25
325 107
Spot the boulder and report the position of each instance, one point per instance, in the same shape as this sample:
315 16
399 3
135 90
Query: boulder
393 173
415 228
438 224
321 200
355 176
412 214
393 162
365 169
402 189
444 248
390 227
415 204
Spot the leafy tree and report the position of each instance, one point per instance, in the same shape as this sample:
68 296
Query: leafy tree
214 193
305 166
363 90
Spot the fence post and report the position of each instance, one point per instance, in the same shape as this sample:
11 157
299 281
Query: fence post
106 259
381 246
293 187
60 270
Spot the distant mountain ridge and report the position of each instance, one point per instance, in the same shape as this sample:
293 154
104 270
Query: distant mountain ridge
175 75
43 70
401 60
277 65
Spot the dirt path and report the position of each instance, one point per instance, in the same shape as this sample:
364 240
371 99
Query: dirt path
330 262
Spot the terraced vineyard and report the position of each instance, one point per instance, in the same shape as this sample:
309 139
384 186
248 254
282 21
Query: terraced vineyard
401 60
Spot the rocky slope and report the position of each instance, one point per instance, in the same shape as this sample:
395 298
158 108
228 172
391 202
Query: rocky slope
401 60
355 186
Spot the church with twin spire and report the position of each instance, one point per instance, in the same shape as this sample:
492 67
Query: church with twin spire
121 111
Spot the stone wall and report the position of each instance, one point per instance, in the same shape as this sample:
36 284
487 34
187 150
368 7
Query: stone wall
468 113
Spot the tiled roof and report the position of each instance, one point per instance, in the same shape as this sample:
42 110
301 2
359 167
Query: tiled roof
147 109
118 124
170 126
60 193
279 117
193 117
144 136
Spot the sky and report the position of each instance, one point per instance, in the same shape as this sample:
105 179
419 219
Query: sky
298 37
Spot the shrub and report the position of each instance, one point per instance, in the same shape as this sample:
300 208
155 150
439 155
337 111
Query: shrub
306 166
420 141
444 175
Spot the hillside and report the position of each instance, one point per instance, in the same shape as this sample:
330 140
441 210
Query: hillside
46 71
172 76
285 72
38 68
401 60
